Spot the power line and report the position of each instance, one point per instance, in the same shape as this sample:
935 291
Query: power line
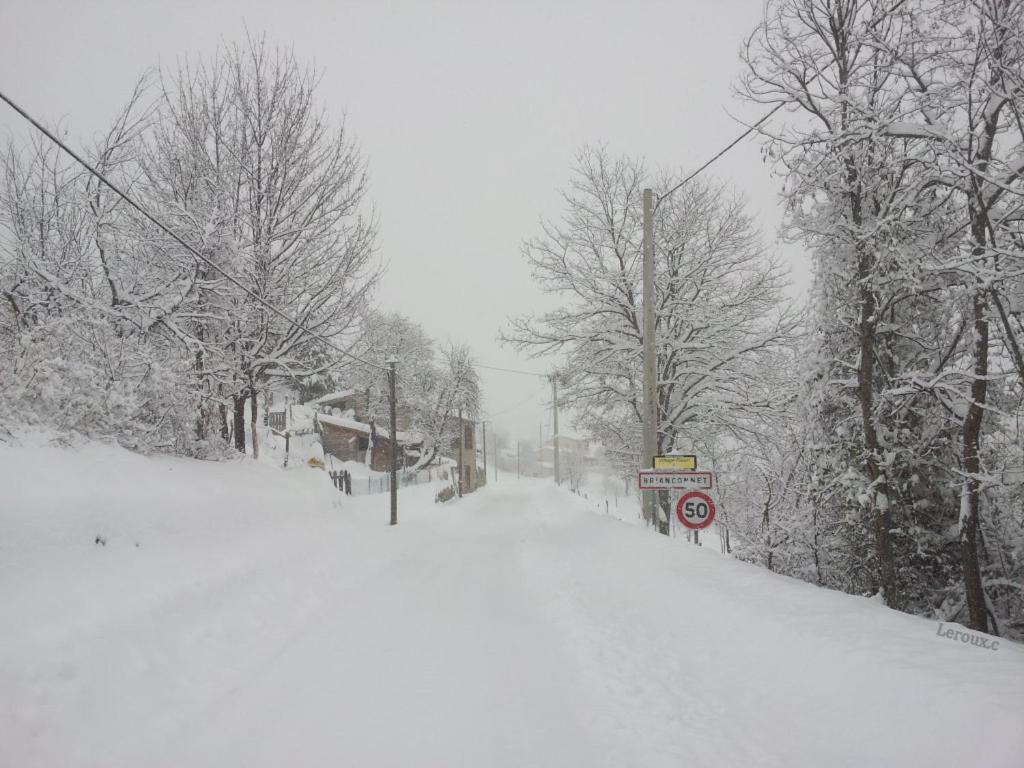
517 405
765 117
722 151
174 236
513 370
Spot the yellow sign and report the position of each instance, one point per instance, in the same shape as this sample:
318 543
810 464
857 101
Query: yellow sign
687 461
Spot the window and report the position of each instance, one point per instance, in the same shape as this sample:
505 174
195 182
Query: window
364 443
469 436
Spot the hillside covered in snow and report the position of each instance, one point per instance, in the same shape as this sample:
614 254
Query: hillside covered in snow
169 612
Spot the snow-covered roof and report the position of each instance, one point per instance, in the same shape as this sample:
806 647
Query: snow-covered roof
359 426
355 426
334 396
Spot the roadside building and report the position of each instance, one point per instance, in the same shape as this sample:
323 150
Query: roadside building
348 433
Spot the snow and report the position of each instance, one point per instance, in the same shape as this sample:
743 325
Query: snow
910 130
355 426
244 615
332 396
359 426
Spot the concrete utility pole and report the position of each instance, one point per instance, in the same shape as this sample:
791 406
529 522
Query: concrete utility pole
650 383
554 411
462 449
392 362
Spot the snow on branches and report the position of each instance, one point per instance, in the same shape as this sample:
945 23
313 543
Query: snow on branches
901 153
719 310
234 154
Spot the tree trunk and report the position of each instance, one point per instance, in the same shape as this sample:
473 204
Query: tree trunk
817 557
202 422
880 503
225 430
426 458
665 504
252 418
239 421
975 591
203 409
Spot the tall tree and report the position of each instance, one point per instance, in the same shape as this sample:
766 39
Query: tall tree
854 200
85 318
718 304
967 79
901 172
245 163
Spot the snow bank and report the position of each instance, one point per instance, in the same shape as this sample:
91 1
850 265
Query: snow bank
136 590
736 666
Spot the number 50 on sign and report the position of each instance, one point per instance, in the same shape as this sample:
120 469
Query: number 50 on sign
695 510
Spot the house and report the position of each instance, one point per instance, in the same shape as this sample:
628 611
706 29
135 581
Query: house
358 402
347 432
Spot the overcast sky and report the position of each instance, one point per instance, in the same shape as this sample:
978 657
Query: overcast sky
469 114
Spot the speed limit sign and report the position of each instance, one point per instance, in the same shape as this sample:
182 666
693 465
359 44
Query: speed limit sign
695 510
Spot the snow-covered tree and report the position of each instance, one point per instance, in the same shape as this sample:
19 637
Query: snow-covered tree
968 122
235 156
85 317
244 164
454 388
719 308
899 154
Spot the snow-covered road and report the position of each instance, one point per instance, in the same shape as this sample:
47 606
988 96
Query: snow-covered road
268 626
441 657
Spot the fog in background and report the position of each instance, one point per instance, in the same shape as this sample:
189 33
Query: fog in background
469 114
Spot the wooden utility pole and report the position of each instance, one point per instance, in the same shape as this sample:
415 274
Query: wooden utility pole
483 426
650 361
462 449
554 412
393 405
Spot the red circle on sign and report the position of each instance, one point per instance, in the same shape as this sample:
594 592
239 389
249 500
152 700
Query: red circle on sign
695 510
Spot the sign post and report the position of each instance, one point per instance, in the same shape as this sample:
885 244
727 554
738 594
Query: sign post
695 510
678 472
684 461
673 479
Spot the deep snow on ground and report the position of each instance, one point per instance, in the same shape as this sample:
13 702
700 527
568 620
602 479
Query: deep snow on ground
606 494
243 615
